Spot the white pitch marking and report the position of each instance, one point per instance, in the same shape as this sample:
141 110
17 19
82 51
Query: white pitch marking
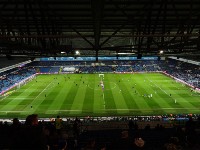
65 110
13 111
161 89
155 109
103 102
41 92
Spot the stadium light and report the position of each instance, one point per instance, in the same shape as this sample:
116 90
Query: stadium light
77 52
62 52
161 51
124 53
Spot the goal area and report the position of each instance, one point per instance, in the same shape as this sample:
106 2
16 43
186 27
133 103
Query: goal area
101 76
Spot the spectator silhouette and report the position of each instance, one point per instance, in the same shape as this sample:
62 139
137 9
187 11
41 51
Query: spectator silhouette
91 145
130 124
138 142
58 124
31 136
124 143
190 126
191 135
147 127
76 128
173 144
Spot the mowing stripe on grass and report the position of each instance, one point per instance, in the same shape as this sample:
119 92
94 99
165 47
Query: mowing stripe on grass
119 99
69 97
142 102
175 96
78 100
99 97
60 97
23 104
37 101
108 97
168 101
185 101
129 99
89 97
12 104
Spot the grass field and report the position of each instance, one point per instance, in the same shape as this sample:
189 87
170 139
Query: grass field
81 95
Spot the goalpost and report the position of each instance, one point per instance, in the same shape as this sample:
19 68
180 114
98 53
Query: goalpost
101 76
25 81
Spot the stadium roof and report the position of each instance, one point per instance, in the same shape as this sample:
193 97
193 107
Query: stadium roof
46 27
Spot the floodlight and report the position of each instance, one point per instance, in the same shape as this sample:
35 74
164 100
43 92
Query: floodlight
77 52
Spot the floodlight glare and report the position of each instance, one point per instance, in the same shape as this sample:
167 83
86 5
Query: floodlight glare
77 52
161 51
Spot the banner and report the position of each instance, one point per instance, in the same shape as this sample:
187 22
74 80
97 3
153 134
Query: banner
94 58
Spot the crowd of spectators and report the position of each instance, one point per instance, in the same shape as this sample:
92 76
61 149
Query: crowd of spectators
69 135
9 78
187 72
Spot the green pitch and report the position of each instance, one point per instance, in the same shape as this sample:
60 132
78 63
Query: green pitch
82 95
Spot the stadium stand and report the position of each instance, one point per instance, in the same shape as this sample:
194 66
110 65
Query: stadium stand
13 76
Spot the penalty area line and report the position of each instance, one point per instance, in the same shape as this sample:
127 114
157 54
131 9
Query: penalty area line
154 109
40 93
13 111
65 110
21 98
161 90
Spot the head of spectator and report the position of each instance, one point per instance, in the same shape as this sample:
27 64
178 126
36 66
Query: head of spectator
16 122
124 134
32 120
90 145
173 144
139 142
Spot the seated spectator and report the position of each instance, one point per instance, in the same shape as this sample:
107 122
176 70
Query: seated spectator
91 145
31 136
173 144
16 124
131 124
76 127
124 143
138 143
58 124
147 127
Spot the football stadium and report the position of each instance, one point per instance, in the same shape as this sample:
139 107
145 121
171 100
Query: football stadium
99 75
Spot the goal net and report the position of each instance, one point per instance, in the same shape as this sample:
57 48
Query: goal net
24 82
101 76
